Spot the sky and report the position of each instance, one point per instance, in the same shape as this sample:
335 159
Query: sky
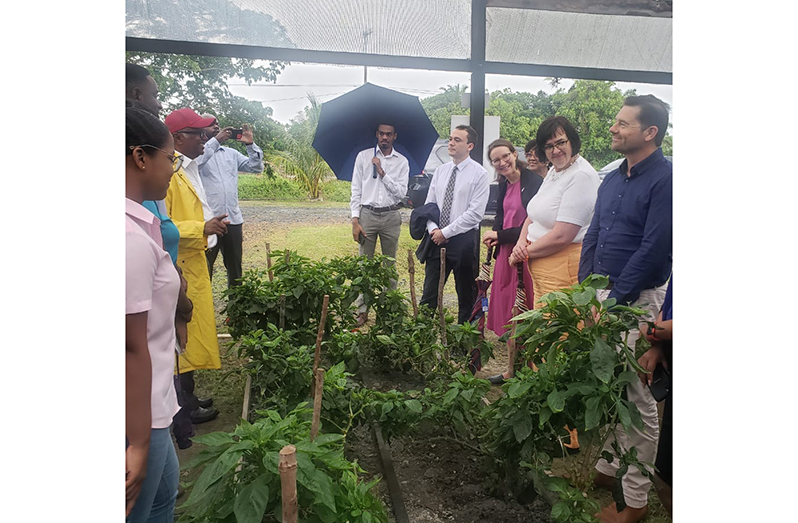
287 96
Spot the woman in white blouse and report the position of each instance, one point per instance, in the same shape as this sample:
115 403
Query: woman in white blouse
559 215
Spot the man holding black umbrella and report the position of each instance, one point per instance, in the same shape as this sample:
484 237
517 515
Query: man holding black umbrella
379 182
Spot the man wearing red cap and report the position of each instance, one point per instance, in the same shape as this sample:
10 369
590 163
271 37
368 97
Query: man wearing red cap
186 205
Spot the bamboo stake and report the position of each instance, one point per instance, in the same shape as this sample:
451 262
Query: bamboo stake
319 336
287 256
269 261
411 268
512 349
314 428
441 283
287 468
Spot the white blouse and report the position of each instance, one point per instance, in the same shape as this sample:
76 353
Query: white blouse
566 196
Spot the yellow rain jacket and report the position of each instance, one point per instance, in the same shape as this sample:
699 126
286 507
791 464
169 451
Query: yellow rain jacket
185 209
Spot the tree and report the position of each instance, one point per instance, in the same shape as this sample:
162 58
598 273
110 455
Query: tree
442 106
300 161
201 82
591 106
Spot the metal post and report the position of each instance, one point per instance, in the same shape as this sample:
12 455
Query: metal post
478 36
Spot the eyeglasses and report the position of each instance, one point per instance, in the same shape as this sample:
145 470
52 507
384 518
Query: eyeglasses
200 132
502 158
559 145
177 158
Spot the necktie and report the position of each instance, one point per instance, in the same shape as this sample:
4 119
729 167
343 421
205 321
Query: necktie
446 209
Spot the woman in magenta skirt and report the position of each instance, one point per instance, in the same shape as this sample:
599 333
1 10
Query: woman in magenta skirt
517 185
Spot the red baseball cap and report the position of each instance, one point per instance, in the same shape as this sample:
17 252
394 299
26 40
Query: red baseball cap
186 118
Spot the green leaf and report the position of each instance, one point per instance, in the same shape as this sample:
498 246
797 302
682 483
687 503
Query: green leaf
593 413
413 406
522 426
251 502
387 407
623 414
626 377
584 297
367 517
450 396
519 388
556 401
560 511
556 484
386 340
634 414
609 303
214 439
602 357
214 472
324 439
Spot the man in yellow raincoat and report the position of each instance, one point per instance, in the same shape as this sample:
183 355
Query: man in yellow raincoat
185 200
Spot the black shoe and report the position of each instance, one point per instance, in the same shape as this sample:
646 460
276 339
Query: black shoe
201 415
183 444
498 379
205 402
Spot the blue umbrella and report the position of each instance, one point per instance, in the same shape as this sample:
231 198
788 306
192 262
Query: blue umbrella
348 124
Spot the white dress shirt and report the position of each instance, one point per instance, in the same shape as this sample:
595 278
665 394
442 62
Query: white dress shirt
191 168
383 191
471 191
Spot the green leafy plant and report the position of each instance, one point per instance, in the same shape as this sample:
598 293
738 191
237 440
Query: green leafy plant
240 481
579 345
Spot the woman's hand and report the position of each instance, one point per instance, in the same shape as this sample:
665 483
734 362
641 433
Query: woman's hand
519 253
490 238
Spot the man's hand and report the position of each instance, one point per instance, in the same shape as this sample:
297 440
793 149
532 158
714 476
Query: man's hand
357 230
490 238
216 225
649 361
438 237
376 161
246 136
135 470
224 135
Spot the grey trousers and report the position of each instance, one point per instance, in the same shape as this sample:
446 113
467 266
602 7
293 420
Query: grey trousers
386 226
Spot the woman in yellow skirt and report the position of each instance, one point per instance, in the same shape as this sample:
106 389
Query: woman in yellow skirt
559 214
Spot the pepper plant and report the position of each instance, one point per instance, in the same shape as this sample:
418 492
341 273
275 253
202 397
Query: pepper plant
579 345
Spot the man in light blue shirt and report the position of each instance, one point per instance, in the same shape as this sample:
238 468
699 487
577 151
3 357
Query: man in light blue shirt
219 168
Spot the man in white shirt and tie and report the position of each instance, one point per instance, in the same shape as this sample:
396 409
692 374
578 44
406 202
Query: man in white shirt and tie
379 182
460 189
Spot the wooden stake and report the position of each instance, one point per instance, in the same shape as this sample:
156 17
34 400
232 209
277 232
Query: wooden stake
441 283
287 468
320 335
512 350
314 428
269 261
287 256
282 312
411 268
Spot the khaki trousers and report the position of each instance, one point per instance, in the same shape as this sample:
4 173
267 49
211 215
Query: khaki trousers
635 485
386 226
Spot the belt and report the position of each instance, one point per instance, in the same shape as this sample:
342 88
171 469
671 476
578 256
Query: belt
381 209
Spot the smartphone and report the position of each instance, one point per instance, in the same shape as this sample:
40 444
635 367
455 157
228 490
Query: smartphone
237 133
660 383
361 239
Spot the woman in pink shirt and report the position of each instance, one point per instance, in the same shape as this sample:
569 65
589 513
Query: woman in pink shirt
152 285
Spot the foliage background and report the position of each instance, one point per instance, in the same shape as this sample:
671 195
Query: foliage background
201 82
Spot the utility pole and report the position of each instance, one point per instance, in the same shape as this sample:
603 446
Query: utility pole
365 46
